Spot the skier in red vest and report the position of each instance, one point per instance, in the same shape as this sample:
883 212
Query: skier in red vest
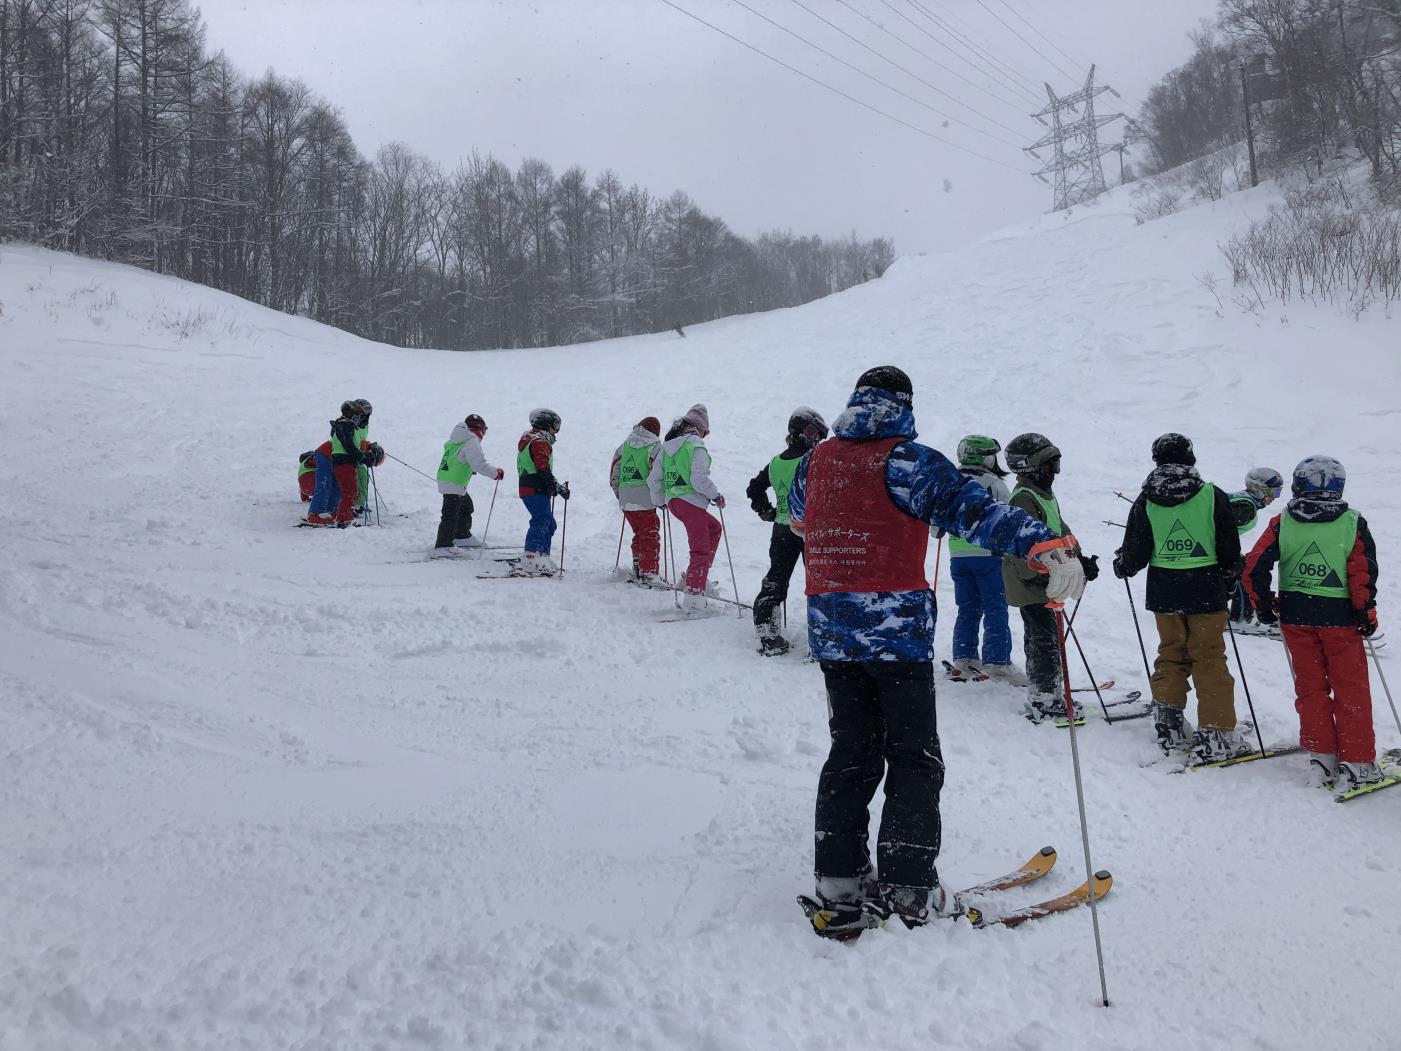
864 502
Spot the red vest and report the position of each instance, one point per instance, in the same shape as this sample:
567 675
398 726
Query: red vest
855 538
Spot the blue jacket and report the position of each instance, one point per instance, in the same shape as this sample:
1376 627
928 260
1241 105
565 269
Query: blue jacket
899 625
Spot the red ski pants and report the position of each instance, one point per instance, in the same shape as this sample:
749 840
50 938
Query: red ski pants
1332 693
702 537
646 540
349 482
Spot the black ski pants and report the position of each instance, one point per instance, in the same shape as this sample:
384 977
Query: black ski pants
1042 645
456 522
881 717
785 548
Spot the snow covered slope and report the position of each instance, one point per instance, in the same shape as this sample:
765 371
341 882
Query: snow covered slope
263 787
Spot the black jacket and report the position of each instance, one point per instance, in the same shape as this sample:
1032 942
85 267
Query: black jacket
344 429
1181 591
759 485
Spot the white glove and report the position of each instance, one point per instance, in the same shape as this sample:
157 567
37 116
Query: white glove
1059 558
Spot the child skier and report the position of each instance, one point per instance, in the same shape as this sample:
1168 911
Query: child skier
1184 531
806 428
535 459
337 472
306 475
462 458
864 502
1036 462
1262 488
977 579
680 479
362 472
627 474
1327 605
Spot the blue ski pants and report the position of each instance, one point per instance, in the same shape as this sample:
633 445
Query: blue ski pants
978 590
542 524
327 493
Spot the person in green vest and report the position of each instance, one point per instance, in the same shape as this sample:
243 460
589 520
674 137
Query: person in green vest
1183 530
806 428
1036 463
337 482
681 477
306 474
535 466
1327 604
362 471
1262 488
627 475
462 458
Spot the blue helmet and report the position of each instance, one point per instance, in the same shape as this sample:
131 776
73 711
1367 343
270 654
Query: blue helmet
1319 476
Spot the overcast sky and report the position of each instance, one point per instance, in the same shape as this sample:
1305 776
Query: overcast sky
637 86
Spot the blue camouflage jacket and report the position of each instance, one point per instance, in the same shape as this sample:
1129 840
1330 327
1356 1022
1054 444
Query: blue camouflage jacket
899 625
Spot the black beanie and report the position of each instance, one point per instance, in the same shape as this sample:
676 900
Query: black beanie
889 379
1174 448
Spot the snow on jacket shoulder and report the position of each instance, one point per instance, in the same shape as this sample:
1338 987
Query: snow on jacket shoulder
470 453
638 497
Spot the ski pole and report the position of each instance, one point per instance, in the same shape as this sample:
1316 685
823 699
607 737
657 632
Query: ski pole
1080 801
1116 525
374 488
487 528
617 561
411 467
1138 631
725 535
1070 630
1246 686
1385 688
1122 497
563 532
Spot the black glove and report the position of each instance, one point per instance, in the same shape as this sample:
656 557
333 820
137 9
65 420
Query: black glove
562 491
1265 612
1120 570
1367 621
1090 566
768 514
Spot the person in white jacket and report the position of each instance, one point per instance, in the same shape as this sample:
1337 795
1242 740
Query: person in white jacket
680 481
628 475
462 458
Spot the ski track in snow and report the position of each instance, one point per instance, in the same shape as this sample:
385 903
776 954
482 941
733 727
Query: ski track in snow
263 787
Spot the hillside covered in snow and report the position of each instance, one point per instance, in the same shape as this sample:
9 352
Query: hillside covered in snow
263 787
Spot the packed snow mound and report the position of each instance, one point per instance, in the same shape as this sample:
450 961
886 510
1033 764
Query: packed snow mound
268 787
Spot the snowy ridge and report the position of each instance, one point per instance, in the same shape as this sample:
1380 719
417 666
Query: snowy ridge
264 787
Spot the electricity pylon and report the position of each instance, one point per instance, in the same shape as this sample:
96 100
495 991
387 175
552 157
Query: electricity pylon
1076 166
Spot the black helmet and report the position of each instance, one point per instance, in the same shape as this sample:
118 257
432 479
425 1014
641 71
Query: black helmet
545 419
889 379
365 407
1174 448
475 423
350 408
807 424
1028 453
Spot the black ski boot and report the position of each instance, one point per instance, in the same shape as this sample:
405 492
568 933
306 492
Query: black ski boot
773 645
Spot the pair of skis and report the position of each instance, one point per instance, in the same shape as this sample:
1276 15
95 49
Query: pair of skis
1132 697
1035 868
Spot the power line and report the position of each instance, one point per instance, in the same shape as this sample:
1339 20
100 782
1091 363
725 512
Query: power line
1025 41
907 72
872 77
949 49
838 91
1026 22
1021 82
1019 107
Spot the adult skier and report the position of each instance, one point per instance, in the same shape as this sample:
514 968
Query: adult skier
1262 488
1036 462
978 589
680 478
864 502
1184 531
1327 604
628 473
337 481
806 428
462 458
535 460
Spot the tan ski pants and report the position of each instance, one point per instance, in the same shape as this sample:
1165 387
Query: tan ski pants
1194 645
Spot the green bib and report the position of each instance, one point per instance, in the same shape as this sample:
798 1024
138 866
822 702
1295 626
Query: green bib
1184 537
1050 508
525 465
1313 555
1248 524
676 470
306 468
452 469
781 475
634 464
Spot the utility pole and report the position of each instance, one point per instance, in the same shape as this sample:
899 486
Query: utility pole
1249 126
1075 162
